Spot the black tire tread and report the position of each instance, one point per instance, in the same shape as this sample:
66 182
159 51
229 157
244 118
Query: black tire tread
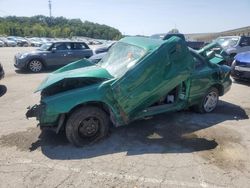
79 114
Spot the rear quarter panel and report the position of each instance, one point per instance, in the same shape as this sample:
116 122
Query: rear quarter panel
65 102
211 76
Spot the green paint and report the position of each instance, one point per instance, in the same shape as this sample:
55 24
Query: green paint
163 66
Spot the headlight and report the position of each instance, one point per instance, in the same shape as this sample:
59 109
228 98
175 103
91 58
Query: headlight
23 56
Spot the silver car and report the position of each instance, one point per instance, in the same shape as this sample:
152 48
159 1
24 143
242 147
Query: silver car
234 44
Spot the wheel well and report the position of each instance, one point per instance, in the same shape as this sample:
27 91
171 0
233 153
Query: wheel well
220 88
98 104
39 59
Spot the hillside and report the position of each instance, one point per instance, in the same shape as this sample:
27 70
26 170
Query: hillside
42 26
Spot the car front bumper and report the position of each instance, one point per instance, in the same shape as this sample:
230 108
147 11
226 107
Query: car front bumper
239 72
35 111
39 112
19 63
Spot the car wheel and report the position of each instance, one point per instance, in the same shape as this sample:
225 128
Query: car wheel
209 101
35 65
87 125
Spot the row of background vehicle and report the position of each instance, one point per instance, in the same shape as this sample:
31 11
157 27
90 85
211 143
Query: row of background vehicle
13 41
232 44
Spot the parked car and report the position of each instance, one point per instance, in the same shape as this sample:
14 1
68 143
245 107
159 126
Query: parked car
99 53
192 44
241 66
19 40
1 72
234 44
7 42
35 42
139 77
103 48
97 57
53 54
1 43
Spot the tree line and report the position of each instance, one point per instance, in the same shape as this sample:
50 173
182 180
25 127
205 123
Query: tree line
42 26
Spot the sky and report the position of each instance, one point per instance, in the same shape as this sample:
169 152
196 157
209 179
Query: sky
144 17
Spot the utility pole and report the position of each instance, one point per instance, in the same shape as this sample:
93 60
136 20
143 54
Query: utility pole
50 8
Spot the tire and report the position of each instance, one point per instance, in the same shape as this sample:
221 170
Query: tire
208 102
87 125
35 66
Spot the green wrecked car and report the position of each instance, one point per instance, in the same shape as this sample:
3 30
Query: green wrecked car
139 77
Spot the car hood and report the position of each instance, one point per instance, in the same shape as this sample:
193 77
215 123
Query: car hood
243 57
79 69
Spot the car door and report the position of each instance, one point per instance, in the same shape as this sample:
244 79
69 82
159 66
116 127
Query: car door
201 78
58 54
153 77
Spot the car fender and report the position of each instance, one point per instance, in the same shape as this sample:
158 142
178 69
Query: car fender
74 98
37 57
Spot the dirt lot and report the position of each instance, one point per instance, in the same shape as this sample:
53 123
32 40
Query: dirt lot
181 149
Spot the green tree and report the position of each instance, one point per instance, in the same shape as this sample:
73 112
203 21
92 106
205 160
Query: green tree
42 26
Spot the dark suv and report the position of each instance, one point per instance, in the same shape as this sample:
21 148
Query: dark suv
192 44
52 54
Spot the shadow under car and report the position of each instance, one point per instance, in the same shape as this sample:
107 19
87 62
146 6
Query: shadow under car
165 133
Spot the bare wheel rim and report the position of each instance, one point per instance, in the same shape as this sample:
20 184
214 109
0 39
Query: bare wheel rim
89 127
210 101
35 66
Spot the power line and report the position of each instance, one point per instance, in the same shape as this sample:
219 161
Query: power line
50 14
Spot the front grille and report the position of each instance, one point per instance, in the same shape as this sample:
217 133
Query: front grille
242 64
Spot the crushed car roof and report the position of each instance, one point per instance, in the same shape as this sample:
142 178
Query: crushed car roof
143 42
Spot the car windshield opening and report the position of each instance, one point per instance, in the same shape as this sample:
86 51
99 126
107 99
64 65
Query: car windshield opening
228 42
121 57
45 46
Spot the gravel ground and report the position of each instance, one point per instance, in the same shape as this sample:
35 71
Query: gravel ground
181 149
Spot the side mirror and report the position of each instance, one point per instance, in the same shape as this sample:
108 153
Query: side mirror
53 50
